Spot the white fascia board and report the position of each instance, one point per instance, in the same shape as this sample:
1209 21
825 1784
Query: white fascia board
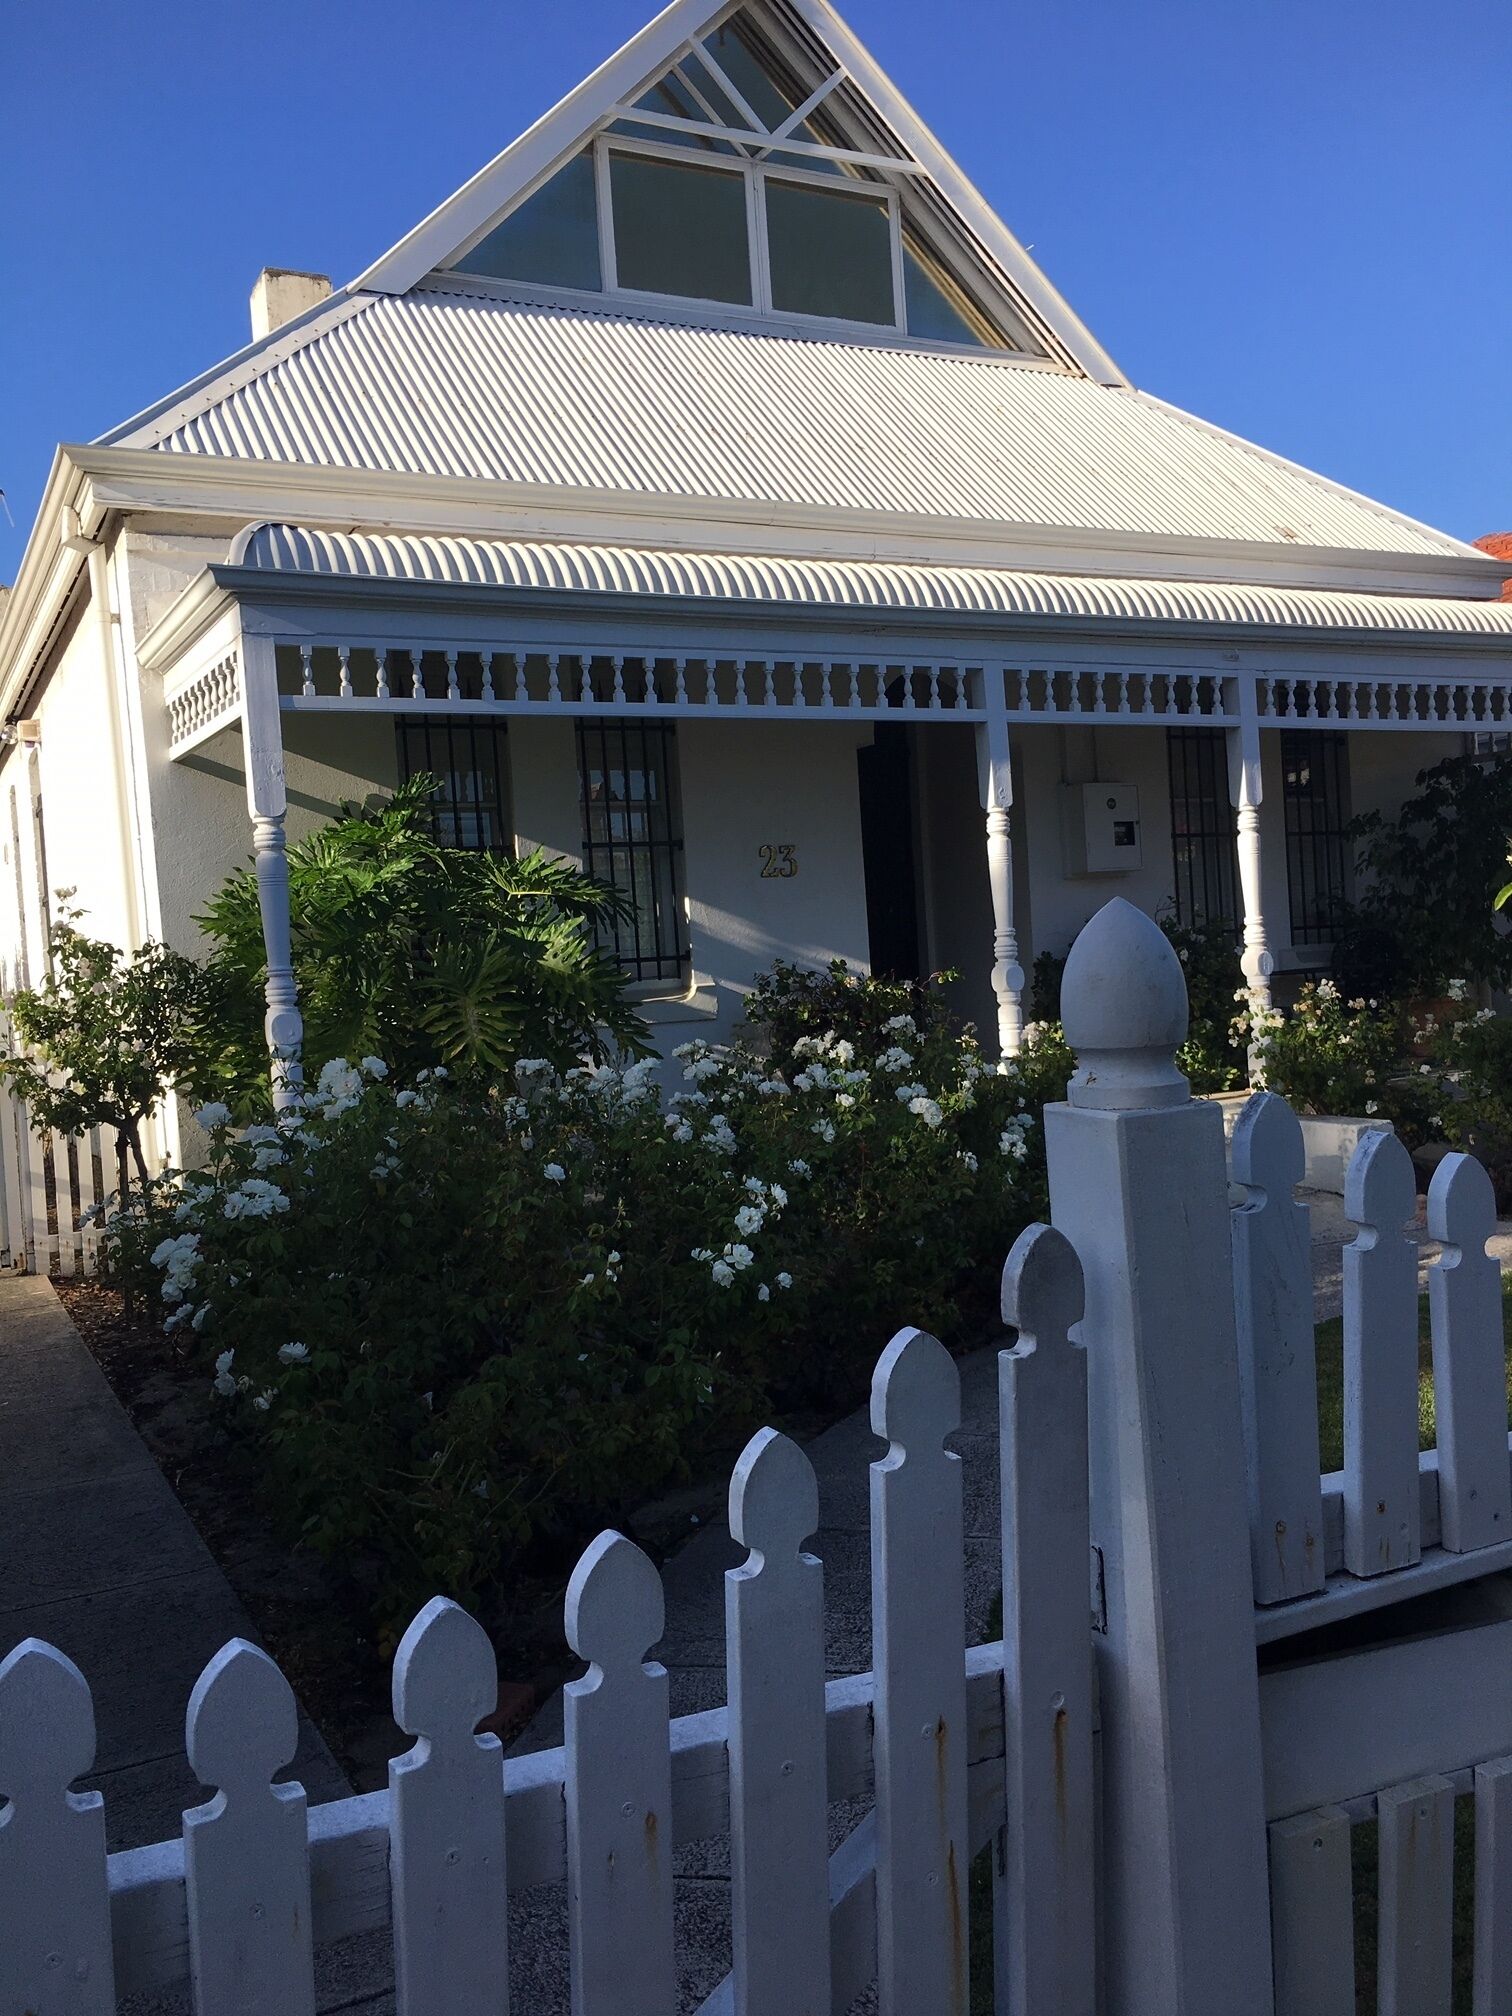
46 578
183 622
958 188
1483 564
235 490
154 422
541 148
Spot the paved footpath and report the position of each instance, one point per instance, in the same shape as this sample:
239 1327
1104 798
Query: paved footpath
98 1557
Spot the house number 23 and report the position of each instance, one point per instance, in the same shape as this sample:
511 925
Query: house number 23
778 862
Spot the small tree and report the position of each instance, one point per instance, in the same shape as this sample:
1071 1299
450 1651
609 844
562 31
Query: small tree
424 954
1428 912
108 1034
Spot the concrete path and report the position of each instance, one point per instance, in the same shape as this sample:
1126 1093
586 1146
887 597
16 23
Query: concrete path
98 1557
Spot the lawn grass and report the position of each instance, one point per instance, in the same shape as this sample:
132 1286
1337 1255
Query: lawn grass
1330 1347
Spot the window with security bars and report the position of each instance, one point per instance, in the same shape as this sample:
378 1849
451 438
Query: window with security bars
632 839
1315 793
471 764
1203 856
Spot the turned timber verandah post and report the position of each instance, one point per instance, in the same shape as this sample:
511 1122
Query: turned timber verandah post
995 776
267 801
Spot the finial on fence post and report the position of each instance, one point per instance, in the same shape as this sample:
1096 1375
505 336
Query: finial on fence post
1124 1006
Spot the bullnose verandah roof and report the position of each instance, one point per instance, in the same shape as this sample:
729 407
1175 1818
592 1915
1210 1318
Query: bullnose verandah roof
589 569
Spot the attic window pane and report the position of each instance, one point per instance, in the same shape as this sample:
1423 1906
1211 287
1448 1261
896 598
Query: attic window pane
671 97
680 229
752 75
935 307
552 238
830 254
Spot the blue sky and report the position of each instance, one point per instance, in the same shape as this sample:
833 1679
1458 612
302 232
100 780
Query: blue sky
1289 217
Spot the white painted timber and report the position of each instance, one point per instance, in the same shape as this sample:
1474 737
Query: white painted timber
246 1858
1382 1503
822 580
446 1804
1338 1729
1139 1186
55 1949
774 1635
918 1635
1278 1372
1415 1955
1312 1914
1469 1360
1045 1941
619 1788
1493 1888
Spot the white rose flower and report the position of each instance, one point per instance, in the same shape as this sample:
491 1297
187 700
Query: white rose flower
554 1173
294 1353
375 1067
213 1115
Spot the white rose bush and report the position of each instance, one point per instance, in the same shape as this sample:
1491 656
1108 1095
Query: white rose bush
460 1318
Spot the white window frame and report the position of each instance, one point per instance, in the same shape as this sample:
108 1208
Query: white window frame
756 174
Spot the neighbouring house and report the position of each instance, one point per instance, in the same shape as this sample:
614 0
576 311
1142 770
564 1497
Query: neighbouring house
714 491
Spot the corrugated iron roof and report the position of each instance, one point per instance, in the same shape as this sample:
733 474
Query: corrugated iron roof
448 384
861 584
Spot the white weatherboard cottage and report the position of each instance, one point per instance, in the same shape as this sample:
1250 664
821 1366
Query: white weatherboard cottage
714 491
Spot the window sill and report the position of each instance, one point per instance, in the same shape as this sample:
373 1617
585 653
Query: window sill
698 1003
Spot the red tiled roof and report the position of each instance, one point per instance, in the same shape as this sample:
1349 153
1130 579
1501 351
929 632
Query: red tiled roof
1499 546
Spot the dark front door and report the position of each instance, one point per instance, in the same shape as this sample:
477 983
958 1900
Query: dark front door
885 775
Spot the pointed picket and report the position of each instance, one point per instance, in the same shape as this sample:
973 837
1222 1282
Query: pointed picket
918 1658
1278 1369
446 1824
1382 1511
1045 1945
1469 1360
55 1951
774 1635
619 1788
246 1857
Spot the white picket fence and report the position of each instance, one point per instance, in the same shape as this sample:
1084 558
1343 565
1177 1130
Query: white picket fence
52 1187
1171 1815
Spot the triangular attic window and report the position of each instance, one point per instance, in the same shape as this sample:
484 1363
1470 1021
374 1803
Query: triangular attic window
683 195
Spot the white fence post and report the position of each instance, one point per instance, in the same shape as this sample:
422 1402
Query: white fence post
446 1823
1138 1185
1278 1363
55 1952
1046 1946
619 1788
1469 1360
774 1635
1382 1497
918 1657
246 1855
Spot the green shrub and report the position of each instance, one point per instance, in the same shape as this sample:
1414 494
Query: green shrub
424 953
1434 871
454 1322
1472 1079
1329 1055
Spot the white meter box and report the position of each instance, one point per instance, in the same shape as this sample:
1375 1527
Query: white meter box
1100 824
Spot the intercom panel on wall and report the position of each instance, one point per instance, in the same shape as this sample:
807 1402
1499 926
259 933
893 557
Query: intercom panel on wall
1100 825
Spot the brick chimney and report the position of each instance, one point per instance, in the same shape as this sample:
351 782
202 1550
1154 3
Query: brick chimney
280 295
